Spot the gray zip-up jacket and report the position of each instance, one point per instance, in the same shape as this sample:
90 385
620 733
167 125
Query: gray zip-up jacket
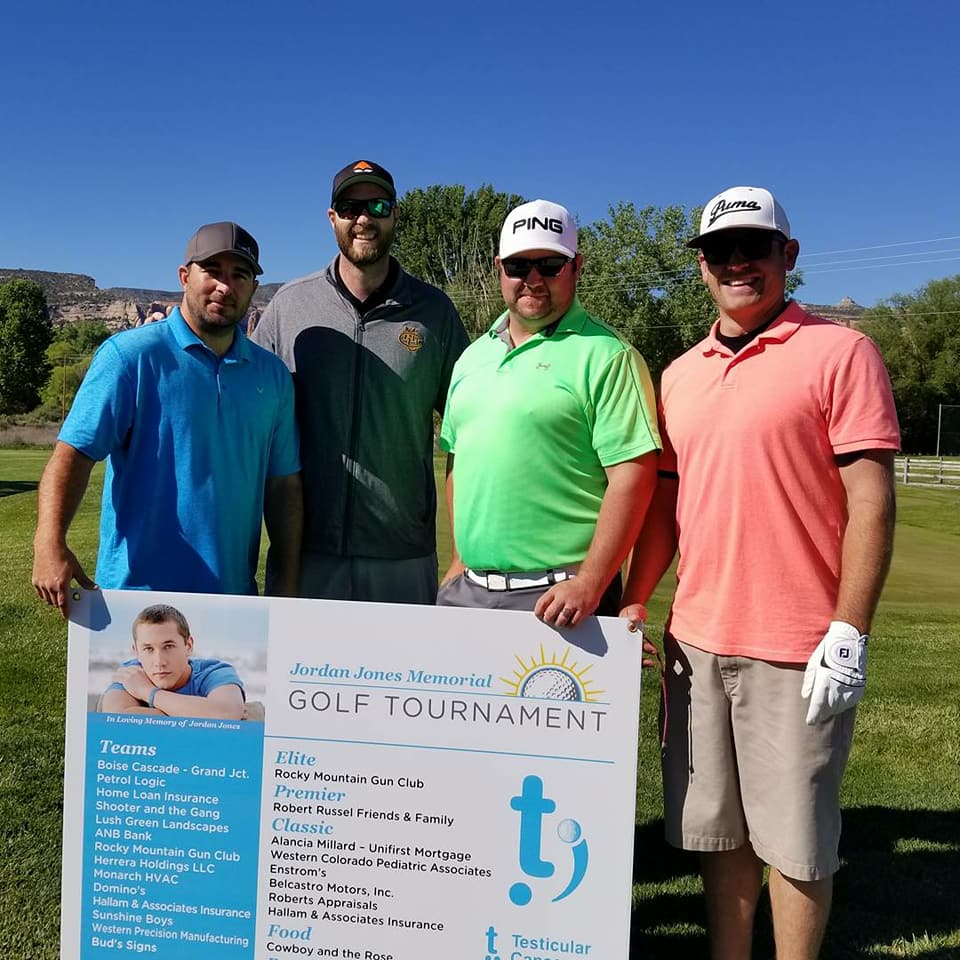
366 389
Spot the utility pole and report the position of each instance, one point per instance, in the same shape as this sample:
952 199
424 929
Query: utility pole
63 394
940 406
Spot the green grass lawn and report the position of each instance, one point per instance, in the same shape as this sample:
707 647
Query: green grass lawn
897 896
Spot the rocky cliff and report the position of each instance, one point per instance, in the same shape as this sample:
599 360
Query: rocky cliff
75 296
72 297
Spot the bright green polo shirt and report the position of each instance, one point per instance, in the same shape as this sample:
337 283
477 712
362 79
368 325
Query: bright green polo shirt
532 429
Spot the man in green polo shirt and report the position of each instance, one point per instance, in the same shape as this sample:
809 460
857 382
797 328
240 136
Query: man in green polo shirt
551 433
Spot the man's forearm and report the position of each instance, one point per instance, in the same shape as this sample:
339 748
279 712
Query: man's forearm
211 707
656 544
625 504
457 565
868 538
283 516
120 701
62 486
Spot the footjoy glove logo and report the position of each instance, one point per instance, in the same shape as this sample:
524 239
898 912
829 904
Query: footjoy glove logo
535 809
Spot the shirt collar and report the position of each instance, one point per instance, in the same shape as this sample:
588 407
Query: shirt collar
781 330
186 339
571 322
396 288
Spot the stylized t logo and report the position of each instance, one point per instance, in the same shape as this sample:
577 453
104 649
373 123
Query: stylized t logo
532 805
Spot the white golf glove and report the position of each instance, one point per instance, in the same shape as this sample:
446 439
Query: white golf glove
836 672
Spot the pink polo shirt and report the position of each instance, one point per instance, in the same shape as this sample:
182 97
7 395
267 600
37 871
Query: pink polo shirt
761 508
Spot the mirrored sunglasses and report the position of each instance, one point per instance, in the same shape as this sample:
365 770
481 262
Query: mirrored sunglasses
379 207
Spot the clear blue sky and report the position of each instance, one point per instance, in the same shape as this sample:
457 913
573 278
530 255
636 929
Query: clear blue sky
126 125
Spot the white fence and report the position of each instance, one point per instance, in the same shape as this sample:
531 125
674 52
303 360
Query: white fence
928 472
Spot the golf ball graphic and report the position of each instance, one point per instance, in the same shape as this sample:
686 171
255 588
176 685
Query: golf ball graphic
550 684
569 831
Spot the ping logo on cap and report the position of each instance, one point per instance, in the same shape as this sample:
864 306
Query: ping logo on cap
723 207
553 224
363 167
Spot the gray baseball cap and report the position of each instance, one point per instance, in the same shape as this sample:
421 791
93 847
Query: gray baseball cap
224 237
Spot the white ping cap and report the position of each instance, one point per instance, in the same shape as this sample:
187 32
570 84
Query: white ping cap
538 225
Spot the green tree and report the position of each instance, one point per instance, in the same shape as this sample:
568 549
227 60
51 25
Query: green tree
638 273
70 355
640 277
919 337
449 238
25 334
62 386
80 338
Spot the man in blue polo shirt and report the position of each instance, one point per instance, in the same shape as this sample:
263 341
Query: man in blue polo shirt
163 678
197 426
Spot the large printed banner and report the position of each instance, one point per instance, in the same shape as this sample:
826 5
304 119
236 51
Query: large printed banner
407 783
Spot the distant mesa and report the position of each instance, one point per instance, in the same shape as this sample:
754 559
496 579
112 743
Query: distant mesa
74 297
845 311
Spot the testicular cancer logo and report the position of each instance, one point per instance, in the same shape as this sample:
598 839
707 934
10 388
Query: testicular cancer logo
551 678
534 808
547 677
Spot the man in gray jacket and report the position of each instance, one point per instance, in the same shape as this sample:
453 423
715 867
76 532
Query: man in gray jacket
371 350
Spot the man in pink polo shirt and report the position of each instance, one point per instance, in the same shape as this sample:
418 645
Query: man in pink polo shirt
776 485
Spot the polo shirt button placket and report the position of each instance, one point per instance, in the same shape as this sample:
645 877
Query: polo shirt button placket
729 379
220 387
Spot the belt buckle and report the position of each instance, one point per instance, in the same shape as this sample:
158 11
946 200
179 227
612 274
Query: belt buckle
497 581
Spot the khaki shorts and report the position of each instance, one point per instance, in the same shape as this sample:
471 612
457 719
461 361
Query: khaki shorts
740 764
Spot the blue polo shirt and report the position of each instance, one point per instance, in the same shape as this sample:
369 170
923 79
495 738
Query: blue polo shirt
205 677
190 439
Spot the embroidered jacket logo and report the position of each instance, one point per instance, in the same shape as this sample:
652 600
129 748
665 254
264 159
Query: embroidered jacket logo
411 338
723 207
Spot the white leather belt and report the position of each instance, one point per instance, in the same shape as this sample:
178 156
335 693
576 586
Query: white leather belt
493 580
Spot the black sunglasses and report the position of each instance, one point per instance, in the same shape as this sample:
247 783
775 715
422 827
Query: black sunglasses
380 208
752 244
518 268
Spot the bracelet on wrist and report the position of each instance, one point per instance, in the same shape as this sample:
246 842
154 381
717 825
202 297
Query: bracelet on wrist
152 697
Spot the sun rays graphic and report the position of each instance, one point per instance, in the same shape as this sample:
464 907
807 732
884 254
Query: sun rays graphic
550 678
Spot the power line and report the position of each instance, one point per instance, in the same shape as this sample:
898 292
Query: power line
874 266
665 280
673 277
890 256
879 246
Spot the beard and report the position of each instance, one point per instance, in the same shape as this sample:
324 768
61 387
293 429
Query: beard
362 255
211 323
